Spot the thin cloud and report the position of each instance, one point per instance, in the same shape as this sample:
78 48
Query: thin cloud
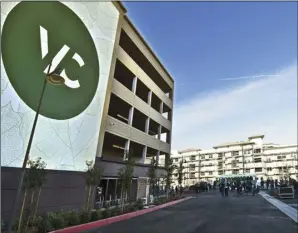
265 105
249 77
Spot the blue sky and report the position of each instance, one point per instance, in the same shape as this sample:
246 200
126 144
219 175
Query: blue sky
208 47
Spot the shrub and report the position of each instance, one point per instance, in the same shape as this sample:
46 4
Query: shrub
131 208
85 216
115 211
56 220
95 215
15 225
42 224
71 218
106 205
106 213
139 204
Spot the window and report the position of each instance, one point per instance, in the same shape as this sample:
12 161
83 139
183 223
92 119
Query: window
210 173
235 172
176 160
210 164
257 150
210 156
202 156
202 173
247 170
269 169
220 155
220 172
192 175
193 157
247 152
192 167
258 160
235 153
281 157
259 169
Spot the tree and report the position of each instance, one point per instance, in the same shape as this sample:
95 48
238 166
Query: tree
125 176
170 167
34 177
93 178
180 172
152 174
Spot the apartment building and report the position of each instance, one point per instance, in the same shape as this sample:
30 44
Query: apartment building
250 157
118 99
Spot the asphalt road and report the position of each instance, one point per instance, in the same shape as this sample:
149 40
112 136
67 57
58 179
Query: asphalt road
209 213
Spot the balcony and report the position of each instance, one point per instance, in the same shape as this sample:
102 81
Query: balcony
118 127
128 96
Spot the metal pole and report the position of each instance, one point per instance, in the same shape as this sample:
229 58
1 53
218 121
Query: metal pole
242 159
23 171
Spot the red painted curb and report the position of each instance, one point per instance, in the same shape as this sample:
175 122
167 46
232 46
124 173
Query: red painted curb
119 218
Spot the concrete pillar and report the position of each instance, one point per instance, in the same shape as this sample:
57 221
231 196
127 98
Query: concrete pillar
134 85
161 107
149 97
115 193
144 154
147 125
157 157
159 131
126 150
106 191
130 116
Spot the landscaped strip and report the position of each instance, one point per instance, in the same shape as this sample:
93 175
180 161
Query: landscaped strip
286 209
103 222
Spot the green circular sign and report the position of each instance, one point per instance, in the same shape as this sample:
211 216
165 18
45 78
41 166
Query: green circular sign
37 34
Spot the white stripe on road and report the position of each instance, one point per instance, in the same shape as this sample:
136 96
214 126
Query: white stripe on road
288 210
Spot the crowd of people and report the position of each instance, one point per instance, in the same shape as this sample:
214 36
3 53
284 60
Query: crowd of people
271 184
243 185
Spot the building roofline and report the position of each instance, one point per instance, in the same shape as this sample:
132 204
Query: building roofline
188 150
148 47
257 136
281 147
233 144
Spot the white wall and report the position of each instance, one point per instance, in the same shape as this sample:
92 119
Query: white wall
62 144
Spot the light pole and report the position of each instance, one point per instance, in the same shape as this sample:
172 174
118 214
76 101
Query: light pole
54 79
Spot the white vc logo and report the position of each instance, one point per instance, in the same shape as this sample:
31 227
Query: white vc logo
58 58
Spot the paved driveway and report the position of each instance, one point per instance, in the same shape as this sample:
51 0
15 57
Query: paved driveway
209 213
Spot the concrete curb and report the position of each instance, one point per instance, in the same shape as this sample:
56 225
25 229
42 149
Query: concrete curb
286 209
104 222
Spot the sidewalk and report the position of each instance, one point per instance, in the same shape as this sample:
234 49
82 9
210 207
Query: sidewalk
282 206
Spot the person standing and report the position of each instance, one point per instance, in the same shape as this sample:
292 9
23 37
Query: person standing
272 184
181 190
254 186
262 183
267 183
222 187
